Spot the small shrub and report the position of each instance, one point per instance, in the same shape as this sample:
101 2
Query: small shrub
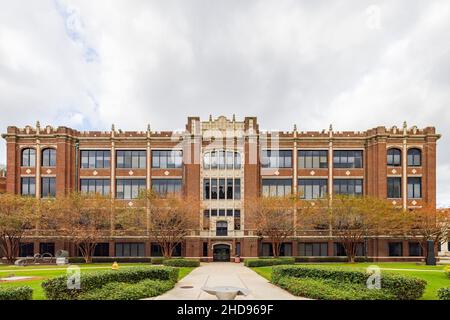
264 262
180 262
17 293
444 293
404 288
331 290
56 288
127 291
447 271
157 260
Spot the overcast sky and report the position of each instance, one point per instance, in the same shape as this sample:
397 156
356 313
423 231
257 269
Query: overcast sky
357 64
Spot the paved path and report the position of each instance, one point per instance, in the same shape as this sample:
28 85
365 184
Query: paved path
225 274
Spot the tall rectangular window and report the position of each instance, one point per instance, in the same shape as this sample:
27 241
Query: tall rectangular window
221 188
352 187
28 186
131 159
213 188
100 186
312 159
414 187
167 159
312 188
276 159
394 187
348 158
95 159
229 188
276 187
129 188
28 157
166 186
395 249
48 186
237 189
206 189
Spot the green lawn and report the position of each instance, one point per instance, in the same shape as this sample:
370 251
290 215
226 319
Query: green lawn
45 272
434 275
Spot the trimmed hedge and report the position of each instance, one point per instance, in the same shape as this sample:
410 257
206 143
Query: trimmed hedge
180 262
56 288
129 291
80 260
444 293
404 288
331 290
157 260
17 293
265 262
447 271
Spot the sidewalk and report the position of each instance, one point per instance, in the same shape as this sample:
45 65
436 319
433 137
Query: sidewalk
225 274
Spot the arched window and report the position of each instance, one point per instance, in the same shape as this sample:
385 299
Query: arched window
394 157
49 157
220 159
414 157
28 157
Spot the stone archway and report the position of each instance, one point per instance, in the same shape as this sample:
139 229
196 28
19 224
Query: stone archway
221 252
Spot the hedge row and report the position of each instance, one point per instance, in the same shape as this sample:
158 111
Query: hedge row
447 271
157 260
180 262
129 291
444 293
264 262
17 293
403 288
80 260
331 290
56 288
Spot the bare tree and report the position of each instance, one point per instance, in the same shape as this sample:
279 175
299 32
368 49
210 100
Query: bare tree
17 216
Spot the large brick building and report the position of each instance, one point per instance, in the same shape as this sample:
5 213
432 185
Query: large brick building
222 162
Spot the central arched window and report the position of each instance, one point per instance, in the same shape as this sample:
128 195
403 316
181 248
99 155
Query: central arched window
414 157
49 157
28 157
221 159
394 157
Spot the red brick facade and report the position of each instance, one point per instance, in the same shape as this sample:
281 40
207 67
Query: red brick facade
245 138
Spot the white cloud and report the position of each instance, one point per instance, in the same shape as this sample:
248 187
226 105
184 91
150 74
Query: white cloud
356 64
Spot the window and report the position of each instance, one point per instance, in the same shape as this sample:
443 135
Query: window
276 187
95 159
47 247
276 159
49 157
48 186
130 249
167 159
229 188
129 188
222 188
220 159
101 249
28 186
237 189
394 186
309 159
414 157
221 228
205 249
394 157
395 249
28 157
314 249
414 188
206 189
166 186
339 249
312 188
286 249
352 187
100 186
266 250
238 249
26 249
347 159
415 250
135 159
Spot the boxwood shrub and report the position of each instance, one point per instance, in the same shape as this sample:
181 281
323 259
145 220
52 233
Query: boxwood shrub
181 262
129 291
17 293
403 288
157 260
444 293
264 262
331 290
56 288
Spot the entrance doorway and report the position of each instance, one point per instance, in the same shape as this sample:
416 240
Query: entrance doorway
221 253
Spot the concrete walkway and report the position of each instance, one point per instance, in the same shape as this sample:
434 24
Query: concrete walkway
225 274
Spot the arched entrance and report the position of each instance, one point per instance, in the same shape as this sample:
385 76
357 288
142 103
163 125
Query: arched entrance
221 253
